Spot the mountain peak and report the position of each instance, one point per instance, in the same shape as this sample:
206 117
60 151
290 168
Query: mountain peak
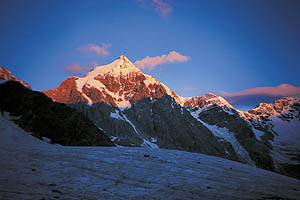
122 57
106 81
119 67
119 83
6 75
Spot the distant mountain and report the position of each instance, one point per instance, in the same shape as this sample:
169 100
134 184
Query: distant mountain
280 121
36 113
6 75
135 109
269 133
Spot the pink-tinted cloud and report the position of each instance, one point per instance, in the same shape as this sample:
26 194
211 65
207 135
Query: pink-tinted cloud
93 64
89 67
280 90
73 69
101 50
77 68
249 98
162 7
151 62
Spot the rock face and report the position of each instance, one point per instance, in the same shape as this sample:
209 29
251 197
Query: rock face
6 75
135 109
66 92
225 122
147 123
43 118
206 100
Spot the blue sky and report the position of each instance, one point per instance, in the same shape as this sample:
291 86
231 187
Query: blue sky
231 45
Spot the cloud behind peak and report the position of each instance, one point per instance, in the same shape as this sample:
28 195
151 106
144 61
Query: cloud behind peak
99 50
280 90
73 69
151 62
249 98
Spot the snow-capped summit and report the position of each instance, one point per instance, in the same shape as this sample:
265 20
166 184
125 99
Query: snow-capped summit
121 66
205 101
282 107
119 83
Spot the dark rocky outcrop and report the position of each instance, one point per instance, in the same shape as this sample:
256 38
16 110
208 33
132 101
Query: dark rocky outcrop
173 126
161 121
44 118
100 114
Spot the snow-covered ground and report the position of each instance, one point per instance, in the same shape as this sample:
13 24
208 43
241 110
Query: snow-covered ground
32 169
11 134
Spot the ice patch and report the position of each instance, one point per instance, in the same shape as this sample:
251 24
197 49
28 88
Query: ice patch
149 144
154 140
228 136
113 138
228 110
116 115
133 126
196 113
146 143
257 133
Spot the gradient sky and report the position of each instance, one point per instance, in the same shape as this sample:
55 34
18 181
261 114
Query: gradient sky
231 45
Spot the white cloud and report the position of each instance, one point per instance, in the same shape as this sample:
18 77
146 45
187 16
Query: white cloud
151 62
101 50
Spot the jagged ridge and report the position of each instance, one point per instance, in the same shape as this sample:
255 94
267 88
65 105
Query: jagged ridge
6 75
